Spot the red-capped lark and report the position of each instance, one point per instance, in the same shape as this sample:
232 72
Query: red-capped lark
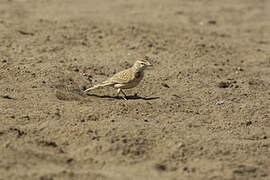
126 79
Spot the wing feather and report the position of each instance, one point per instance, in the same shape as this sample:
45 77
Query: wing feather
125 76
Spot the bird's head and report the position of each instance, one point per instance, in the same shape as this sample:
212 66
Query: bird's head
142 64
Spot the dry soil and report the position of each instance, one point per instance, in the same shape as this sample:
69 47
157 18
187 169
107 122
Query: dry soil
202 112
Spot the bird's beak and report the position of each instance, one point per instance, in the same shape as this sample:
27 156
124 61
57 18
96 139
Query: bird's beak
149 64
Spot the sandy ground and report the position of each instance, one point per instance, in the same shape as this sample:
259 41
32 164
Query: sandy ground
202 112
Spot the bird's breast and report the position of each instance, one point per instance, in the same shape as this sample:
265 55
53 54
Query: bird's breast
139 75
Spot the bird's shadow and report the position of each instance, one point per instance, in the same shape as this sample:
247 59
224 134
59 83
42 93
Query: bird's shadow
121 98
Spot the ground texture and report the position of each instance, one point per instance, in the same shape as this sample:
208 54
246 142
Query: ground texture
202 112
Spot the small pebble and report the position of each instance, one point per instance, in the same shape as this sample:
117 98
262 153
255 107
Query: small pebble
165 85
219 102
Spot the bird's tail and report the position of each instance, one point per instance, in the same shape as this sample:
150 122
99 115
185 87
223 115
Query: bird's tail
104 84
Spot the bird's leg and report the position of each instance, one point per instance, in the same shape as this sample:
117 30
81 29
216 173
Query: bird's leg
118 92
121 91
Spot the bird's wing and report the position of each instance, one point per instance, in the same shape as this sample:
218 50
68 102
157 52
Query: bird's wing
123 77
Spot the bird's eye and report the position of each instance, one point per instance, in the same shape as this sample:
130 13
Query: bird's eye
142 63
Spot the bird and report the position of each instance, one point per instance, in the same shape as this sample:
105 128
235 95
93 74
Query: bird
125 79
